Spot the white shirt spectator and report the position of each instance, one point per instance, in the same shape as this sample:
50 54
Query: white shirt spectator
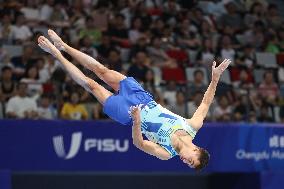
218 111
281 75
45 12
19 105
134 35
46 113
21 32
30 13
34 87
228 54
170 96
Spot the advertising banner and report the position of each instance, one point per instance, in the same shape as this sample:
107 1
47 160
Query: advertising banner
107 146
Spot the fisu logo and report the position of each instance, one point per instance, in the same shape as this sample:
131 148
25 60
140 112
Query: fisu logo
89 144
58 144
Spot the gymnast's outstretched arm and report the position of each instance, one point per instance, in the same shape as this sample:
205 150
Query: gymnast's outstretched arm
146 146
197 119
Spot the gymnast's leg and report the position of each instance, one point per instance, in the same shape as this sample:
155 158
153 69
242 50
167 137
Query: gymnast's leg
110 77
90 85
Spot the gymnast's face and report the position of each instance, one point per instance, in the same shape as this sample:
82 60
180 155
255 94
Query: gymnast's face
190 156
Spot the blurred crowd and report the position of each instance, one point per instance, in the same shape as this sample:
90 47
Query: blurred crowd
168 46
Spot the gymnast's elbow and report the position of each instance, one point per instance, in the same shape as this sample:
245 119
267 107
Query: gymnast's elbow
137 143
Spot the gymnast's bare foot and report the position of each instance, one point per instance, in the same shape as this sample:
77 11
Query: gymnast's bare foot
58 43
47 46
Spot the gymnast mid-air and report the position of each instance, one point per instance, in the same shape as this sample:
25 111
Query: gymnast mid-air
168 134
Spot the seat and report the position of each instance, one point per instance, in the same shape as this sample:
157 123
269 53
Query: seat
175 74
280 59
13 50
258 75
267 60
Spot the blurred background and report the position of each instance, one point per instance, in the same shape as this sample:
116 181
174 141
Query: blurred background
54 134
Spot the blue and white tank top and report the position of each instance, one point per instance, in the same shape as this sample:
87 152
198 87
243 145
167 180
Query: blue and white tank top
158 123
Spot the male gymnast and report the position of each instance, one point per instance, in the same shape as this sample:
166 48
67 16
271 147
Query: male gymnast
168 134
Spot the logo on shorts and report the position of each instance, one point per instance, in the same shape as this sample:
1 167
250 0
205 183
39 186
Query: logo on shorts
58 144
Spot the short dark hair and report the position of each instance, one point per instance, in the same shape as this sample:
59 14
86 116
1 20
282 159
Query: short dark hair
197 72
203 159
5 68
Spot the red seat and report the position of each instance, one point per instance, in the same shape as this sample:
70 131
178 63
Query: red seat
280 59
179 55
155 12
176 74
235 75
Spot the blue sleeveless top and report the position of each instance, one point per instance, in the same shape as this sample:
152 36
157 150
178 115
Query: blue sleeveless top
158 123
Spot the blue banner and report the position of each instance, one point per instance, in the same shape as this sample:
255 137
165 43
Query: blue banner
5 179
107 146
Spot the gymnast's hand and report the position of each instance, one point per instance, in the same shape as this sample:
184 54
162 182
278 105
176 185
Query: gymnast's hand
135 113
217 71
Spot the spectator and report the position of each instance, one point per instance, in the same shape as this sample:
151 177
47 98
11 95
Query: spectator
272 45
98 112
247 59
46 10
193 104
59 16
105 46
46 68
198 83
255 36
273 18
223 110
86 46
20 63
244 84
21 106
135 31
268 89
265 116
281 114
158 55
74 110
31 78
4 59
7 86
206 54
20 32
150 84
101 15
119 32
281 39
141 45
6 29
139 67
91 31
180 107
226 50
256 13
170 93
46 109
252 117
114 60
232 18
31 12
241 109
